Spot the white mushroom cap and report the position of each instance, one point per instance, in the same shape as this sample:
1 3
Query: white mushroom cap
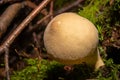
71 39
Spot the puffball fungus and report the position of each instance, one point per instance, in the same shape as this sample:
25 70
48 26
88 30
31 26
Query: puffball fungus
72 39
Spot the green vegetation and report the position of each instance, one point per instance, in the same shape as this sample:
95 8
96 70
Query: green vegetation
105 17
37 70
45 70
95 11
101 14
110 71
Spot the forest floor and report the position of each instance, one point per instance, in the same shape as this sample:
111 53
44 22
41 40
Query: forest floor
28 59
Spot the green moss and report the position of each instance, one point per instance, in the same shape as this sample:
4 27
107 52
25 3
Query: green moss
94 11
51 70
60 3
36 70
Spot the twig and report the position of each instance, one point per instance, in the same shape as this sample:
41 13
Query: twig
68 7
33 6
43 19
39 55
36 40
7 63
37 44
37 47
51 9
25 22
7 16
47 16
22 54
51 14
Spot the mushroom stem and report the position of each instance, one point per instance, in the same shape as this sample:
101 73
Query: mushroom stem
99 62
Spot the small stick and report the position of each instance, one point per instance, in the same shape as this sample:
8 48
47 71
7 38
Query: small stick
37 48
37 44
25 22
51 9
7 63
51 13
47 16
33 6
43 19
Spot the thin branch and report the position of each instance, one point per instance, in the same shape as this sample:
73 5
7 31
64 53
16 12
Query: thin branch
7 63
47 16
38 47
33 6
25 22
51 13
51 9
43 19
36 41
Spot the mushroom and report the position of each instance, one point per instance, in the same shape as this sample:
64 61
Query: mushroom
71 39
